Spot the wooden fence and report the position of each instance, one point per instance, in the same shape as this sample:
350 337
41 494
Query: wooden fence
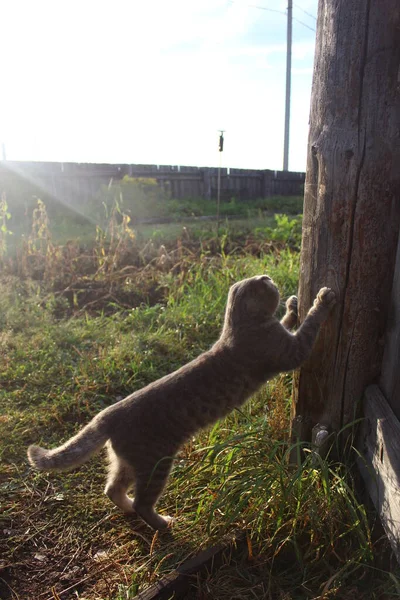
78 182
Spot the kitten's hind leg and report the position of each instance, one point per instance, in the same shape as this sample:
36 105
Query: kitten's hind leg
120 477
149 484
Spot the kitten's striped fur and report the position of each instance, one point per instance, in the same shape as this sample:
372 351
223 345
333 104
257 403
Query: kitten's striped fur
144 431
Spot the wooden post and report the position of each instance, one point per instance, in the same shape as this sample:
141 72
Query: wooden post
351 204
288 85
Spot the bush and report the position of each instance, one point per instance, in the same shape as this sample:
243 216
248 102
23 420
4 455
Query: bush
286 230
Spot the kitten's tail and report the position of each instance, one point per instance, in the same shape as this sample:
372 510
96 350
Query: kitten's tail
75 451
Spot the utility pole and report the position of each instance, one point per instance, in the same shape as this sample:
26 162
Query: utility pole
220 149
3 149
288 80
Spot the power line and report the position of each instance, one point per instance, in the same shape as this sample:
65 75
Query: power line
274 10
290 18
305 12
305 25
281 12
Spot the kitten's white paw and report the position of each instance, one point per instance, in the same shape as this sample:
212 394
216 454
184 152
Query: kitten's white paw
169 521
327 297
152 517
291 304
160 521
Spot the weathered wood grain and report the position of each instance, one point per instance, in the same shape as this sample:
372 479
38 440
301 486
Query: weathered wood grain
390 378
352 204
380 461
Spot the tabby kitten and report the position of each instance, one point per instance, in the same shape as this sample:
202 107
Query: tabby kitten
144 431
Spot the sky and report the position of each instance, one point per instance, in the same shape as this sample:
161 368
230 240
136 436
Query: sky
152 81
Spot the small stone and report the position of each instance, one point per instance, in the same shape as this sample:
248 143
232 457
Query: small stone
100 555
40 557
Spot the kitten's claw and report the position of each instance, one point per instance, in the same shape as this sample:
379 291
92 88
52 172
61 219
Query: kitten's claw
291 304
327 297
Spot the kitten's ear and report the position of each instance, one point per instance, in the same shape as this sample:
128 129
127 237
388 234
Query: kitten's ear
233 292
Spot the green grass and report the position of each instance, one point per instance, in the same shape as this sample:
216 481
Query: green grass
257 223
309 535
292 205
278 227
139 199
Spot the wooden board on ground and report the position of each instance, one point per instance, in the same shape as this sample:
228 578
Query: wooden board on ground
177 584
380 461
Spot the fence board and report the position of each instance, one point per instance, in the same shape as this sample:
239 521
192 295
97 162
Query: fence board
390 378
380 463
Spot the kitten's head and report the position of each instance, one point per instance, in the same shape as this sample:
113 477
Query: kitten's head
256 298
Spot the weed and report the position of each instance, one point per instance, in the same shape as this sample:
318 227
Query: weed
137 197
114 242
4 231
286 230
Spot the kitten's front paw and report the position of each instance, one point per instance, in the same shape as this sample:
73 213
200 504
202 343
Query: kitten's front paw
326 297
291 304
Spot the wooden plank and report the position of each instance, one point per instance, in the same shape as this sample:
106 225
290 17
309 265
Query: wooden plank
177 584
390 377
380 447
351 204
